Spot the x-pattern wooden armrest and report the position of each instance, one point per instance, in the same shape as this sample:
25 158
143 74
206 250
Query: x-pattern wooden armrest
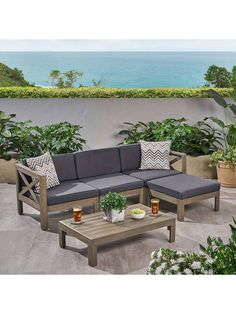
28 186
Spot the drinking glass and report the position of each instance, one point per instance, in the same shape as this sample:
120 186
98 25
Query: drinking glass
77 213
154 206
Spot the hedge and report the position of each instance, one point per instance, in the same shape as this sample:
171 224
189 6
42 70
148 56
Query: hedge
90 92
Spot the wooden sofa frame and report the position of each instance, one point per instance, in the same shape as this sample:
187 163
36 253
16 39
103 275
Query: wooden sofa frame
25 192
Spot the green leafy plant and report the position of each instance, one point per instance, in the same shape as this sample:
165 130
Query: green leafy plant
113 200
17 138
60 138
25 140
228 157
171 262
228 130
217 258
201 139
223 255
91 92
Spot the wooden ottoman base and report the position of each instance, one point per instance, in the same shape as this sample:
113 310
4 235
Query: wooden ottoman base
182 202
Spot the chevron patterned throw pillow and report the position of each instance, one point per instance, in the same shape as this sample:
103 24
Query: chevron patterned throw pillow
44 165
155 155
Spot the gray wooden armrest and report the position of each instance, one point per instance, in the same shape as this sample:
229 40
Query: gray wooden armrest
22 172
29 172
179 156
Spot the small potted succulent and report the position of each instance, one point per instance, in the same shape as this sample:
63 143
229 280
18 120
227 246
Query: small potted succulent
114 204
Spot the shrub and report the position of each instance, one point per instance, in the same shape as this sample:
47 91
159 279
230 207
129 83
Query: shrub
171 262
60 138
29 141
192 140
91 92
217 258
223 255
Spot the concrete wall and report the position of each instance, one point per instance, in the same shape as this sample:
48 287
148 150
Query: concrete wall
102 118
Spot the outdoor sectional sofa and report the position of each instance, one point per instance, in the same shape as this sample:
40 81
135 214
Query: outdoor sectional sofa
88 175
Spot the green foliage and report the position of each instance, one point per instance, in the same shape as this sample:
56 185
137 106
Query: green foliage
17 137
223 255
113 200
192 140
219 76
228 157
29 141
92 92
228 130
60 138
11 77
170 262
217 258
66 79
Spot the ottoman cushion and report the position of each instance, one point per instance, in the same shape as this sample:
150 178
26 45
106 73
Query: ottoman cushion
183 186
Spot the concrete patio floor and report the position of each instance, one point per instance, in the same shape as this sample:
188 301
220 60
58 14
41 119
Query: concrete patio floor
26 249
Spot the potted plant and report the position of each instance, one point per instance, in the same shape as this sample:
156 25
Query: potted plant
198 141
20 140
225 160
114 204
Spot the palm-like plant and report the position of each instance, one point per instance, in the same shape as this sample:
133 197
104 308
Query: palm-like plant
228 129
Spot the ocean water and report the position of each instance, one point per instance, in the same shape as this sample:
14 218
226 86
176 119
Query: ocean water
121 69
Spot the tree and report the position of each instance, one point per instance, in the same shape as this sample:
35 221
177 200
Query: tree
219 76
66 79
98 83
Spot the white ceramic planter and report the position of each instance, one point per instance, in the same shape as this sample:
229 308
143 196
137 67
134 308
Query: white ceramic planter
114 216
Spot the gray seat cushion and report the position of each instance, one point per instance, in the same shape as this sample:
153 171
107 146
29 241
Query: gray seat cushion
151 174
65 166
69 191
183 186
114 183
130 156
97 162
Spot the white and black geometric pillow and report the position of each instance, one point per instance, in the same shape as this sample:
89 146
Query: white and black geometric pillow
44 165
155 155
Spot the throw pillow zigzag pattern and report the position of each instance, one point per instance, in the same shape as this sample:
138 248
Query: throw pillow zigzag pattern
155 155
44 165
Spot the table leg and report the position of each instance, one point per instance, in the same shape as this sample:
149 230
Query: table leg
92 255
62 238
172 233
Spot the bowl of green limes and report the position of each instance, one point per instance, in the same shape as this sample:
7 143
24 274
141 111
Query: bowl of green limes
137 213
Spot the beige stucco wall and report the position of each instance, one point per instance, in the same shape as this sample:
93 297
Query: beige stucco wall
102 118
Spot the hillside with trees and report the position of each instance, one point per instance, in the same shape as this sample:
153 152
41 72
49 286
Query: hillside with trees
11 77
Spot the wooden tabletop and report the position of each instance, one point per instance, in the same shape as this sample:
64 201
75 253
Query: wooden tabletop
96 230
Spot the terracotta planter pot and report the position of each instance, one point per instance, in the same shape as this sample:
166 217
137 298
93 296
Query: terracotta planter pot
226 174
198 166
7 171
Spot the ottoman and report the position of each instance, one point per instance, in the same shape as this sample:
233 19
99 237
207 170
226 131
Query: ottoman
183 189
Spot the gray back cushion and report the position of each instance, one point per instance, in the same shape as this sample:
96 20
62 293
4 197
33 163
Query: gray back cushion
97 162
130 156
65 166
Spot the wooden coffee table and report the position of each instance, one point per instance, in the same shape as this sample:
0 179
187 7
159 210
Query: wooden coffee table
95 231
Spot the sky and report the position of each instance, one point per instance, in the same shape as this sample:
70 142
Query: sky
117 45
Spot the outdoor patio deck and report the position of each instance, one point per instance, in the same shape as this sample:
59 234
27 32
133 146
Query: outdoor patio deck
26 249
